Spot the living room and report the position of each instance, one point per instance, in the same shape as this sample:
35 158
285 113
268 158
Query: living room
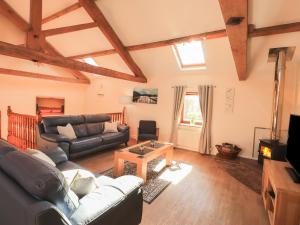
238 66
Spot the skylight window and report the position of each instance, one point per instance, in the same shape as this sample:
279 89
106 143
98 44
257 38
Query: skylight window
90 61
190 55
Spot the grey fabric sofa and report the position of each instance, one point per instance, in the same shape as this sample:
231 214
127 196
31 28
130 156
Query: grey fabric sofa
89 132
116 201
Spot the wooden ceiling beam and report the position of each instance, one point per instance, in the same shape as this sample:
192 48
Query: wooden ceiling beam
95 13
35 25
7 11
273 30
158 44
10 13
67 29
40 76
62 12
37 56
237 33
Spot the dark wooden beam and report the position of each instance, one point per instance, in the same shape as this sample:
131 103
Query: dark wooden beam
62 30
35 25
41 76
62 12
278 29
21 24
37 56
237 34
8 12
95 13
48 48
158 44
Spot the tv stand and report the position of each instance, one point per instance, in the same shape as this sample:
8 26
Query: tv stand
281 195
293 175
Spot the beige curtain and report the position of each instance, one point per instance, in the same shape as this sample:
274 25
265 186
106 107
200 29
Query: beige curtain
206 103
179 92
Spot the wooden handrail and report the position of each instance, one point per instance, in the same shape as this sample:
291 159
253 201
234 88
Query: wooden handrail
21 130
118 116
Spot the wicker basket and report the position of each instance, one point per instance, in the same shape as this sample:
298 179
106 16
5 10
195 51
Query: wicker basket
228 150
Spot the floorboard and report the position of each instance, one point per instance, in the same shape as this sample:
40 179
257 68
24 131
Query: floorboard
206 196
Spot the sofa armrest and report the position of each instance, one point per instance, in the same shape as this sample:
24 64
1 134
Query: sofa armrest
123 128
55 138
56 154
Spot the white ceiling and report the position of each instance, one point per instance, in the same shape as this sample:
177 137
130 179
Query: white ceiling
142 21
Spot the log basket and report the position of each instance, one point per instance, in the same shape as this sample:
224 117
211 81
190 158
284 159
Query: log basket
228 150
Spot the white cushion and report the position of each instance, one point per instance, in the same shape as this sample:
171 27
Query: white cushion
67 131
40 155
82 182
110 127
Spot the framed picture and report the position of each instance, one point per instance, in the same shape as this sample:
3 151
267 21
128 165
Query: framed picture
145 95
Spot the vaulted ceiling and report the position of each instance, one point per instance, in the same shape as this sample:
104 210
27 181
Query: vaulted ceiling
136 22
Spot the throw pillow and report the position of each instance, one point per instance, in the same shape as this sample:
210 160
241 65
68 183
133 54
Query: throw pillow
110 127
67 131
82 182
40 155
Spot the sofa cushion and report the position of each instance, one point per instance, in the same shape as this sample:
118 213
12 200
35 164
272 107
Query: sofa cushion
80 130
5 150
40 179
51 123
104 198
110 138
97 118
110 127
95 128
67 131
147 137
81 144
56 154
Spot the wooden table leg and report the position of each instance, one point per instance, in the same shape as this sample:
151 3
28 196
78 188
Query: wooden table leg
119 166
169 156
141 170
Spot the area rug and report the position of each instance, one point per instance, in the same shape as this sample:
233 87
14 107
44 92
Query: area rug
246 171
154 185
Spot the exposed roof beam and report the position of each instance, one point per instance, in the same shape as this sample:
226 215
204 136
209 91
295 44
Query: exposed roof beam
40 76
237 33
202 36
62 30
35 25
62 12
95 13
278 29
10 13
37 56
7 11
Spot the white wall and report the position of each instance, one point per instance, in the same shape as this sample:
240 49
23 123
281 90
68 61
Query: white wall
253 98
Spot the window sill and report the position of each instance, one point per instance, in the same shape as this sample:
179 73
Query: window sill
189 125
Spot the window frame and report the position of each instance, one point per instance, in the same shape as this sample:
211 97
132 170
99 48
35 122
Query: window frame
186 122
198 66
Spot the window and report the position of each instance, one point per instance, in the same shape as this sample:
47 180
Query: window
191 113
90 61
190 55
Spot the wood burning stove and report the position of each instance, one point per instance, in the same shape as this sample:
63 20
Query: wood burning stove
270 149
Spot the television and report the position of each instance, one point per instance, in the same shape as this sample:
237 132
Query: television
293 148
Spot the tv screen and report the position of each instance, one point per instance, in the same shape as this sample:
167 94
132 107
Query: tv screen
293 146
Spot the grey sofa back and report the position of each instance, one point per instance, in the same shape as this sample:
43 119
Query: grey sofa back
18 207
50 123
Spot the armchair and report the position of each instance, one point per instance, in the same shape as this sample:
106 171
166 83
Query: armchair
147 130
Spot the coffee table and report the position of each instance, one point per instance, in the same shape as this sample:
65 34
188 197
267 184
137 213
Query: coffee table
141 158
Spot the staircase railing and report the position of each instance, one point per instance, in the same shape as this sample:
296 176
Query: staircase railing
21 130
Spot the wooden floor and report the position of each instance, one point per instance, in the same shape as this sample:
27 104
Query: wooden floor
206 196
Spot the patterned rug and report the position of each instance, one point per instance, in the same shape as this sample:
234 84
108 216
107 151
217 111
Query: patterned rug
154 185
246 171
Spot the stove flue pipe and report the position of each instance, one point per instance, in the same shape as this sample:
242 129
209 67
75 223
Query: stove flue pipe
278 94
